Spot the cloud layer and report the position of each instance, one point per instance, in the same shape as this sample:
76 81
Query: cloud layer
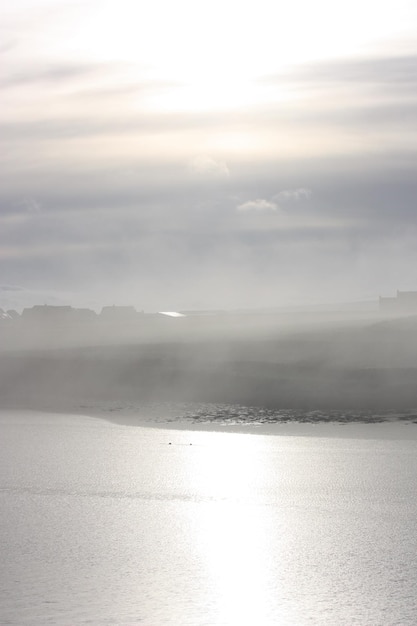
113 182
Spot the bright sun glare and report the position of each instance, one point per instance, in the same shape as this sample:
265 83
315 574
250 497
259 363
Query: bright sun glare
232 532
212 55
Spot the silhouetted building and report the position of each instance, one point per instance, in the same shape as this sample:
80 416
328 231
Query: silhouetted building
119 313
85 314
404 302
48 314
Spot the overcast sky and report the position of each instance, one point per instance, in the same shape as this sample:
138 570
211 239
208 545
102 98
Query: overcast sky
182 154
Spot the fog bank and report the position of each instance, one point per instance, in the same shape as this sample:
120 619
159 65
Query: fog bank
329 364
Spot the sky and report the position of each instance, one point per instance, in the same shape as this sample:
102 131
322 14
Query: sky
180 154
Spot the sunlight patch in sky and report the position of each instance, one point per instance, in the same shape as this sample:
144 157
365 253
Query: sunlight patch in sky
136 131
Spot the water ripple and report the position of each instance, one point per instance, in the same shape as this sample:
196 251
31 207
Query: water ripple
236 414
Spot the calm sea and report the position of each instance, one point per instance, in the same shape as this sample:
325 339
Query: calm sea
108 524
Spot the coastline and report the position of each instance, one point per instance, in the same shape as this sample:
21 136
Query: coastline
250 387
388 429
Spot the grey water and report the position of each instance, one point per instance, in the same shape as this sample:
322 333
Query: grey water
102 523
228 414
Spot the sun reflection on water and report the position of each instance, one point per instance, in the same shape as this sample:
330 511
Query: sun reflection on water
233 532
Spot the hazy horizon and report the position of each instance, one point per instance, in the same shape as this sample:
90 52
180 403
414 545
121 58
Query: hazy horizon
18 298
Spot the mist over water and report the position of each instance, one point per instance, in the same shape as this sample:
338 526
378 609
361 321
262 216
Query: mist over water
54 357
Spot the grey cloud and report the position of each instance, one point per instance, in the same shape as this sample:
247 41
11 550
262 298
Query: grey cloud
10 288
397 70
163 230
49 74
327 113
368 116
383 185
181 242
215 227
93 125
31 205
365 115
379 92
111 80
301 193
227 268
388 108
123 89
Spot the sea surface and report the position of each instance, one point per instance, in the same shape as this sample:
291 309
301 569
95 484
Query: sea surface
103 523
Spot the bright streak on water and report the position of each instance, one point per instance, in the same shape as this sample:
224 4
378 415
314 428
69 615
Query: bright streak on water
232 535
106 524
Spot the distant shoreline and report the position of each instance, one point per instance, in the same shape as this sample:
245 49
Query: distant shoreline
389 429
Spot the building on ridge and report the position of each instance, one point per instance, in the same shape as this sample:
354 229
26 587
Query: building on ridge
405 302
